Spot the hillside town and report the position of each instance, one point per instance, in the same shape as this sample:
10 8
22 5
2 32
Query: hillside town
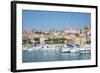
55 38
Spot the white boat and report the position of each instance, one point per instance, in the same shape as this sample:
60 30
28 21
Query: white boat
74 50
85 49
24 48
46 48
37 47
29 49
65 50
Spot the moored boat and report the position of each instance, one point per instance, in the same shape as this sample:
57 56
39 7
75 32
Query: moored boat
85 49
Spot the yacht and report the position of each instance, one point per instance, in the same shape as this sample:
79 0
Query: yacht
65 49
70 49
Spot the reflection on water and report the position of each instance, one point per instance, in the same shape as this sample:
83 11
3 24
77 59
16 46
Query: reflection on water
40 56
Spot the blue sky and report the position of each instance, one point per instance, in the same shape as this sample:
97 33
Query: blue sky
45 20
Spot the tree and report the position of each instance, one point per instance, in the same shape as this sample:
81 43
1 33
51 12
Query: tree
77 35
37 40
62 40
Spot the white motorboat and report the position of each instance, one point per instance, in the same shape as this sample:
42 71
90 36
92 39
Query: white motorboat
30 49
74 50
35 48
84 50
47 48
24 48
65 50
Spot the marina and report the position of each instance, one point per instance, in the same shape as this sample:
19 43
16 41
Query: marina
61 48
60 53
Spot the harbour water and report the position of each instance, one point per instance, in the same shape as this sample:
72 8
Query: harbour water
47 56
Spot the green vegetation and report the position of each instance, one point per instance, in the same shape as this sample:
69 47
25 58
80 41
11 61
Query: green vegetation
26 41
37 40
55 40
